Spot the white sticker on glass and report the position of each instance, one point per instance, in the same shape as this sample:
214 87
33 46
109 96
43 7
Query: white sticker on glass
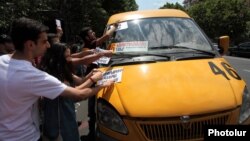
123 25
102 60
135 46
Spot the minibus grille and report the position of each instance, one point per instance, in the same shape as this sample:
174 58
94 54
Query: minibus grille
172 130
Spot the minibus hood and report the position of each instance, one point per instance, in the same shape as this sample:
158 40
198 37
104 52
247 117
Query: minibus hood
168 89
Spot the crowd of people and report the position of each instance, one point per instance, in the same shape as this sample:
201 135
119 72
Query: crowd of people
41 80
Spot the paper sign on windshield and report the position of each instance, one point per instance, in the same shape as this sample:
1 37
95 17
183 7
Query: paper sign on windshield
115 74
135 46
102 60
122 26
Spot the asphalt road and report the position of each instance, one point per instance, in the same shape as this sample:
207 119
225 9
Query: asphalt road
242 66
82 115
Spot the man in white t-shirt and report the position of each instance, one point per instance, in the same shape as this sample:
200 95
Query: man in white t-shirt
21 84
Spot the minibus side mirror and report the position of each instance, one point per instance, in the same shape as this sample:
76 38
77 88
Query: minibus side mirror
223 44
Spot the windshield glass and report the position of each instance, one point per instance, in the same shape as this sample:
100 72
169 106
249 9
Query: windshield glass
146 35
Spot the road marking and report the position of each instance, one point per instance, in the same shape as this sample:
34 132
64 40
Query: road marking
247 70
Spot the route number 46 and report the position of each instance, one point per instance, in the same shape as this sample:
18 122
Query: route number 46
228 70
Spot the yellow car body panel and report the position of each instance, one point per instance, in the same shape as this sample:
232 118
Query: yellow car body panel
146 14
163 89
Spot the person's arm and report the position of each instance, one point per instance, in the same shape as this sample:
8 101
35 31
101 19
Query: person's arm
82 54
78 95
83 94
78 80
86 59
92 79
88 80
59 30
100 40
107 53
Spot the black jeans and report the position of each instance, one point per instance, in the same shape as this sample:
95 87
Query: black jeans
91 108
92 118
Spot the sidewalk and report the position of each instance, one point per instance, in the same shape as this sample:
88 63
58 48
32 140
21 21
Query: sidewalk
82 115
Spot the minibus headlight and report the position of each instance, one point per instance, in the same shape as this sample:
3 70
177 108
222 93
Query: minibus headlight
245 107
109 117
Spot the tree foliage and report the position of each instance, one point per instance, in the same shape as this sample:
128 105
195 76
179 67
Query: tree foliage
75 14
222 17
11 9
117 6
172 6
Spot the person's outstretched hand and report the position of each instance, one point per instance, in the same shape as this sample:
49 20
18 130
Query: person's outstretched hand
108 53
107 83
96 75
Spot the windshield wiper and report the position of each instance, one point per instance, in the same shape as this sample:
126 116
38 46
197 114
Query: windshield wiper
126 62
138 54
139 57
183 47
122 54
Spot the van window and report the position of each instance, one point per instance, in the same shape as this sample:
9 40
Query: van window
162 32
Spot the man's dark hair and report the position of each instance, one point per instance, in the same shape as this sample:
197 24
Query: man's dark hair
84 32
5 39
24 29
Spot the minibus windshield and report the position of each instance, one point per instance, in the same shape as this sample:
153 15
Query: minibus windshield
150 34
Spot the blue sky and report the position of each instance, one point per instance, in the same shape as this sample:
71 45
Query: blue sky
154 4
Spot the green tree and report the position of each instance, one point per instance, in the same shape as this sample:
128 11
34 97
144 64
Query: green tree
6 9
248 31
12 9
222 17
95 15
75 14
173 6
117 6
